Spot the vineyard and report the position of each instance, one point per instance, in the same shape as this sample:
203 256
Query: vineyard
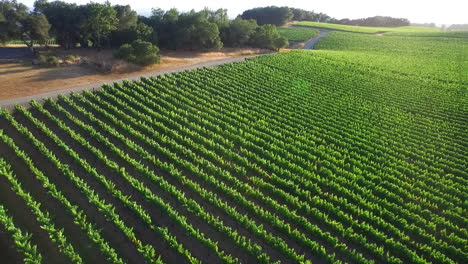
297 34
328 156
444 34
47 42
441 59
370 30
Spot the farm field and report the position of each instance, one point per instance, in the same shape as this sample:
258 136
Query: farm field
429 58
353 153
445 34
365 29
297 34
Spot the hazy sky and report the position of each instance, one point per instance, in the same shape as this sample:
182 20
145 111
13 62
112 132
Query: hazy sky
419 11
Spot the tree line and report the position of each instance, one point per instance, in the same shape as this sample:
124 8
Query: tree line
103 25
376 21
463 27
282 15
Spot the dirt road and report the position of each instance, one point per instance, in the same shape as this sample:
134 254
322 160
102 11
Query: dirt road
9 103
311 43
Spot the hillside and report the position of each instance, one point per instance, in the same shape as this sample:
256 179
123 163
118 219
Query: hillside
364 29
352 153
430 58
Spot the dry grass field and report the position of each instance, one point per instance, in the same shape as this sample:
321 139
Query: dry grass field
23 79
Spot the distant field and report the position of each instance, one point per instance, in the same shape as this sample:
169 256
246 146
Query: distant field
365 29
428 57
354 153
445 34
298 34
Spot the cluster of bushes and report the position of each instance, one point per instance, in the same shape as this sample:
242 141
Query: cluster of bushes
139 52
54 61
51 61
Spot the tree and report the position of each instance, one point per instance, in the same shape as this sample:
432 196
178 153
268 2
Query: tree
219 17
157 14
101 21
128 35
129 28
376 21
35 28
139 52
205 35
12 14
65 20
167 29
154 20
18 23
267 36
280 43
239 32
146 33
126 16
457 27
269 15
194 31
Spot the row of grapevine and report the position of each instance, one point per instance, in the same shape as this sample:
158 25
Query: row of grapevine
21 239
298 157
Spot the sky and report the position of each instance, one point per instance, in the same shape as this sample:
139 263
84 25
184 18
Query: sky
417 11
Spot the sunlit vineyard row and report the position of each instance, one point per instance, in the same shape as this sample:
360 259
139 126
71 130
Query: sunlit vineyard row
296 157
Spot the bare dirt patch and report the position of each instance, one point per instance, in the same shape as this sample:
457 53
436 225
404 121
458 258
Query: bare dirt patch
21 79
290 23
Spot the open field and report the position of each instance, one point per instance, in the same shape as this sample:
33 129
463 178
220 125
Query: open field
354 153
23 79
364 29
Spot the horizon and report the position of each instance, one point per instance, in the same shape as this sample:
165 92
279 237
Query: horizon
451 12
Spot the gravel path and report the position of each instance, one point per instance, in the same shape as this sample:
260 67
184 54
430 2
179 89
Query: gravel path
10 103
323 33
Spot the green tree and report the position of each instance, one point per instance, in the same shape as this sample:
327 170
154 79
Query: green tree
128 35
219 17
139 52
126 16
100 22
12 13
194 31
280 43
267 36
35 28
239 32
18 23
167 29
154 20
146 33
65 20
269 15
